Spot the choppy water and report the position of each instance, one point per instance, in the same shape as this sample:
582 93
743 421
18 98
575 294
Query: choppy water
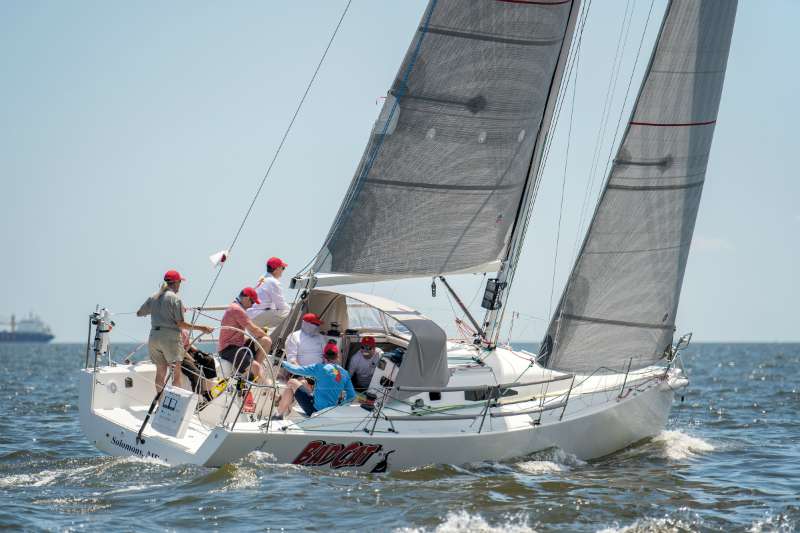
729 460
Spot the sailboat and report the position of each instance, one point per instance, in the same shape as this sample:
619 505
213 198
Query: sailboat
446 186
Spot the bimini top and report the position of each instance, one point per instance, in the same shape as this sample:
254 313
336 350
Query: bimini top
425 361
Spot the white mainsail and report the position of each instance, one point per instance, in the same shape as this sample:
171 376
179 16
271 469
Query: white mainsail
442 180
620 301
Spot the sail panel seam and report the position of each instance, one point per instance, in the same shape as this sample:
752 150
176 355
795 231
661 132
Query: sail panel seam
436 186
642 251
683 177
665 71
672 124
656 187
490 38
619 322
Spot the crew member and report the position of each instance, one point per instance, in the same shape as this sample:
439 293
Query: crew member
273 309
166 321
304 346
233 347
362 363
198 366
331 380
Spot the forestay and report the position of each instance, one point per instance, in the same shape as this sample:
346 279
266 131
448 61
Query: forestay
622 296
440 183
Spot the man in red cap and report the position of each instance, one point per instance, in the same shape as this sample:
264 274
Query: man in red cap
273 309
166 319
362 363
233 347
304 346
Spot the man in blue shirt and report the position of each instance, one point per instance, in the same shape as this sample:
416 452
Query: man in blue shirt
330 380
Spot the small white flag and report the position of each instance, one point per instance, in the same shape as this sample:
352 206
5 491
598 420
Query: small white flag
218 258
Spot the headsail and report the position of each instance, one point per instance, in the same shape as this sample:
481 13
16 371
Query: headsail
441 180
622 296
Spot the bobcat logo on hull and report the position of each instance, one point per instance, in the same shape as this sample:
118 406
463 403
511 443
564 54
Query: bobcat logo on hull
320 453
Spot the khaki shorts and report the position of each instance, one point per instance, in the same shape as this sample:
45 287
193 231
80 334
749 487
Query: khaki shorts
271 318
165 347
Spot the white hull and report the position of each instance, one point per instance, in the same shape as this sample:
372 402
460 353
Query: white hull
114 430
589 435
595 422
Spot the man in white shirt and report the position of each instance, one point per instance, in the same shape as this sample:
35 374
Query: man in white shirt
273 309
304 346
362 363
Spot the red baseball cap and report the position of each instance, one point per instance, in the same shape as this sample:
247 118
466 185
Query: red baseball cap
251 293
276 262
312 319
368 341
331 350
173 276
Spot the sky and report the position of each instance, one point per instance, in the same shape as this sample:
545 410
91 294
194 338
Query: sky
133 137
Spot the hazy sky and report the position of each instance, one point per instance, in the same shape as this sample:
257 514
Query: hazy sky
133 136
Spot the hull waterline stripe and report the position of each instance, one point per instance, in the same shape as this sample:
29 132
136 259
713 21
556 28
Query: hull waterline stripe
669 327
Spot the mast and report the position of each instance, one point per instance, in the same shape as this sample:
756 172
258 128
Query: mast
620 302
497 289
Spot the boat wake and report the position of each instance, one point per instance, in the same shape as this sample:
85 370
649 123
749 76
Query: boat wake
456 522
73 474
676 445
683 520
549 461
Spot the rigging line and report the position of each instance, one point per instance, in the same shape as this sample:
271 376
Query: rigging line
564 183
576 253
604 117
545 153
280 146
559 104
478 291
358 181
523 216
608 176
523 212
628 89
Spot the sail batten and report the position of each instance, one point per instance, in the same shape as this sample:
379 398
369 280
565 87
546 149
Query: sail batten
441 181
620 302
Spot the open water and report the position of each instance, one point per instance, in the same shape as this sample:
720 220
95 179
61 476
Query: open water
729 460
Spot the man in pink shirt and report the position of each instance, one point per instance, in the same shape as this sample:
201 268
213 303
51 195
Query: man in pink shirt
232 344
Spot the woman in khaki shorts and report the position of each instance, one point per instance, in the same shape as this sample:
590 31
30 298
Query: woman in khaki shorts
166 318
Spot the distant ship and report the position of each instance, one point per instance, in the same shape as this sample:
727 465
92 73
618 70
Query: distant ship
30 329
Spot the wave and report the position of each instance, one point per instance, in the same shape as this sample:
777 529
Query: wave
677 445
462 521
780 523
74 474
654 525
550 461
